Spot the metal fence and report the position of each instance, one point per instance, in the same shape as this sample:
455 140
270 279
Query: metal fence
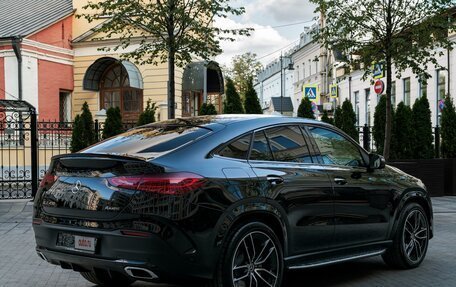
17 151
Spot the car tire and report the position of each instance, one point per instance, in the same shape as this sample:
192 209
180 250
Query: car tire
252 251
104 279
411 240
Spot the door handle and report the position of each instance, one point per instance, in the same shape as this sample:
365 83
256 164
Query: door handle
340 180
274 179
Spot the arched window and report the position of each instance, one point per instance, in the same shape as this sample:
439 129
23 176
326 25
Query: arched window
115 91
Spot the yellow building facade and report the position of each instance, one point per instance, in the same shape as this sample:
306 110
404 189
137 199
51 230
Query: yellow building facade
103 79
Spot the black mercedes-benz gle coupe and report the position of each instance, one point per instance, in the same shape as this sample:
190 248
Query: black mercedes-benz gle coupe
230 200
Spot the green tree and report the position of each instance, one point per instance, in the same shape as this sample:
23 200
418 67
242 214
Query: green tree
326 119
251 103
338 117
83 130
448 130
378 131
305 109
171 31
422 136
232 103
402 132
148 115
244 68
408 34
113 124
348 121
207 109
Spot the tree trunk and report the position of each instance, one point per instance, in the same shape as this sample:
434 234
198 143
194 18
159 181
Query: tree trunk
389 121
171 86
389 77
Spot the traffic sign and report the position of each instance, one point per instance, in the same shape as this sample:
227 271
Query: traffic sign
379 87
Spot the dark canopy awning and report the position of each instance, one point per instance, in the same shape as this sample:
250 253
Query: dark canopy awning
193 78
94 73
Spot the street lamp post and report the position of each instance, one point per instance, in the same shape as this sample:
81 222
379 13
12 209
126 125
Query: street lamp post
282 82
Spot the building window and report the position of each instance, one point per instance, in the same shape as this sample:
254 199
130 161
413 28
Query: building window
65 107
115 91
407 91
441 84
423 88
368 106
297 72
357 107
393 94
310 67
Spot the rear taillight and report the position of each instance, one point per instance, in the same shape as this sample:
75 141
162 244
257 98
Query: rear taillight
48 179
166 184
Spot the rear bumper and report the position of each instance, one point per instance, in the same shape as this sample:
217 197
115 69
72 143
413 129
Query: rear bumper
173 258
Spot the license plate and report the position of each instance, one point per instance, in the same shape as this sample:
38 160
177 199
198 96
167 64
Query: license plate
77 242
84 243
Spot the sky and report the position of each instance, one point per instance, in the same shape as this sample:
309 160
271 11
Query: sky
267 17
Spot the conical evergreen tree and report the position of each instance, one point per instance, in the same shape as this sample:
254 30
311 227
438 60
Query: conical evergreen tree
423 138
378 131
251 104
83 130
305 109
113 124
232 104
448 127
326 119
207 109
338 117
349 120
148 115
403 129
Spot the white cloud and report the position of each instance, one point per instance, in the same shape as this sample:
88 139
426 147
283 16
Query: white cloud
262 41
284 11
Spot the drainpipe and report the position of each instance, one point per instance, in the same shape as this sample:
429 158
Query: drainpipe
17 51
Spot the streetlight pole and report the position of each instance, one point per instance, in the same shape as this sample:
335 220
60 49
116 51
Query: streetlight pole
282 82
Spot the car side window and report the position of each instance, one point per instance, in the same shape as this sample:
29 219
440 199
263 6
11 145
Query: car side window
260 147
238 149
336 149
288 145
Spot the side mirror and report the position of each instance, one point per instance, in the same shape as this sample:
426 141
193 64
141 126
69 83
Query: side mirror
376 161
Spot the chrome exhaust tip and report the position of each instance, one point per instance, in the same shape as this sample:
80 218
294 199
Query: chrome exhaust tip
41 255
140 273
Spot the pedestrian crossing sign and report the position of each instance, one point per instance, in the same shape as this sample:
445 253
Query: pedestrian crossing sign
334 89
311 92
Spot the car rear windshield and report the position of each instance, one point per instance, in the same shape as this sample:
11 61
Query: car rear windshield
150 141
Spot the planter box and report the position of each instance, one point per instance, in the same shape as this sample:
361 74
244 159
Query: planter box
439 175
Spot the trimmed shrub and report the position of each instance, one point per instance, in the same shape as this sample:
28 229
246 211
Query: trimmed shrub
326 119
232 103
402 132
83 130
422 127
113 124
338 117
252 104
148 115
378 132
448 129
207 109
348 122
305 109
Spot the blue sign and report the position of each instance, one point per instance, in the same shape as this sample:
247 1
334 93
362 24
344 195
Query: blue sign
311 93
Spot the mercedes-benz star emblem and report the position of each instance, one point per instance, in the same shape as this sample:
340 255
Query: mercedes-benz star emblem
77 186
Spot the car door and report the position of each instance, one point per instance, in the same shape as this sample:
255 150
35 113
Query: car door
283 163
363 198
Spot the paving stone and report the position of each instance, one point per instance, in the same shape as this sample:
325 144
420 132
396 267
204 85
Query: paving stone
20 266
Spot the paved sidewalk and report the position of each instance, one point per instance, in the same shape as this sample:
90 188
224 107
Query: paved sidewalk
20 266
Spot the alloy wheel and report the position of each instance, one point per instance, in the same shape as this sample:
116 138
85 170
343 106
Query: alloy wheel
415 236
256 261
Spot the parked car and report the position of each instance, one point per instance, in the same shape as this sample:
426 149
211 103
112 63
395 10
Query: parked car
236 200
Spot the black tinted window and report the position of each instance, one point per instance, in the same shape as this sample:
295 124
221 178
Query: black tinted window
151 140
260 148
237 149
288 144
335 149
